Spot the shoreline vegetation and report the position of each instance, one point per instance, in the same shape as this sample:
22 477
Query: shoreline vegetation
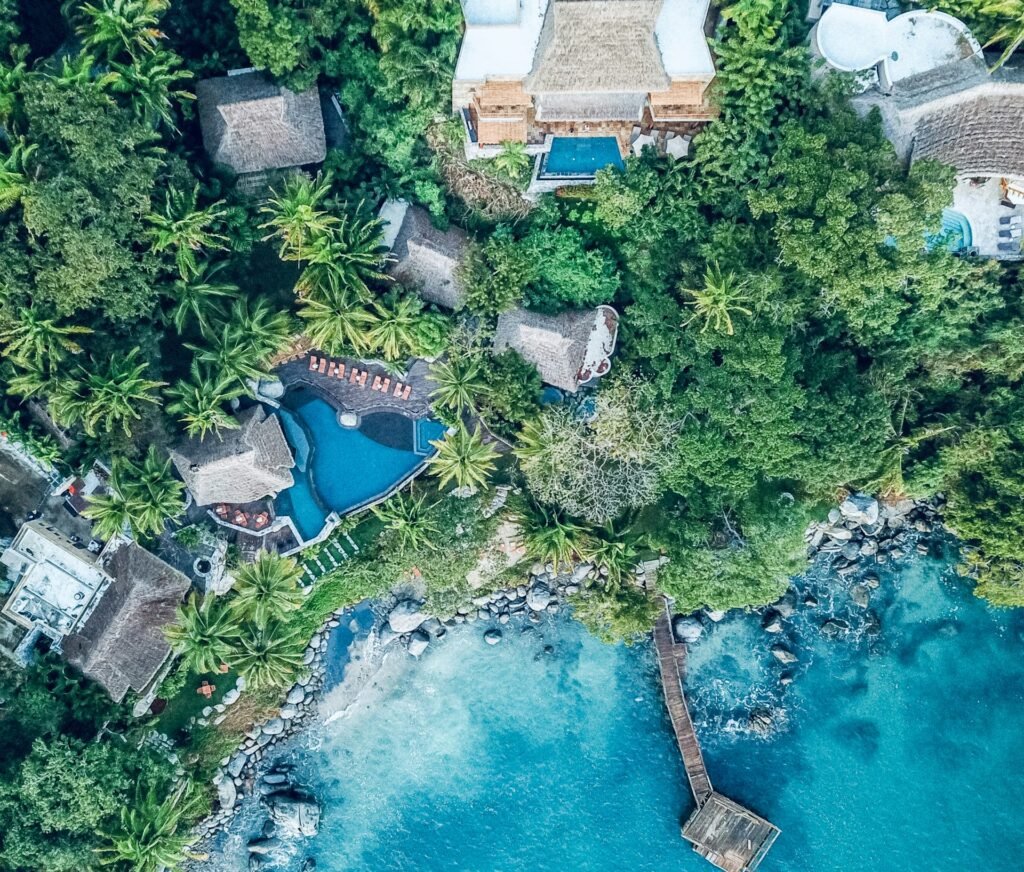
787 348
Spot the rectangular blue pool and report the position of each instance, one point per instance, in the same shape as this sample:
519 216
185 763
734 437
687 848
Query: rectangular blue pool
580 156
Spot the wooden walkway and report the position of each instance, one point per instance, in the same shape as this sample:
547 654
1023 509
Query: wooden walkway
725 833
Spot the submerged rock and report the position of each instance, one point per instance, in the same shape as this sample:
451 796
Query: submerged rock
265 846
772 622
786 605
715 615
295 814
492 636
406 617
834 627
783 654
418 642
861 595
687 628
762 721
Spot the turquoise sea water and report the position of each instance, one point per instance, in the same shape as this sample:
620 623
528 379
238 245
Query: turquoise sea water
551 751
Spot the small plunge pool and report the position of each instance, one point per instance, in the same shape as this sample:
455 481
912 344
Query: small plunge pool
580 156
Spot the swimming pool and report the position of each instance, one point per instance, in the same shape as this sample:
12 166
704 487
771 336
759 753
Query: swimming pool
340 469
955 234
575 156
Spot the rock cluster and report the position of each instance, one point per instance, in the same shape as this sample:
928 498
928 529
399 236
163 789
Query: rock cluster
292 812
863 530
236 772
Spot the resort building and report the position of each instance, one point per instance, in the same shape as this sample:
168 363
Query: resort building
240 465
964 116
105 611
121 644
534 71
255 127
57 582
424 258
569 349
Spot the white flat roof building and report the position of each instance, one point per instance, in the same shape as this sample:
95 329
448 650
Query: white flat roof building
56 581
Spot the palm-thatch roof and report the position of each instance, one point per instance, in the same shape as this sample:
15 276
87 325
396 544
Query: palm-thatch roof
121 644
556 344
237 466
598 47
251 124
426 259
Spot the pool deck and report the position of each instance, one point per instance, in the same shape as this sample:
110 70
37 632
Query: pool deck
359 396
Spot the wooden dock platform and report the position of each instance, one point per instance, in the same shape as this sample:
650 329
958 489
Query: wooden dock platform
725 833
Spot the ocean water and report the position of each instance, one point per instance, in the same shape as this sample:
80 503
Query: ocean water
892 752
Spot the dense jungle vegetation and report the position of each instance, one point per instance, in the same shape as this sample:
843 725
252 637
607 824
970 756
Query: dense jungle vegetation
785 336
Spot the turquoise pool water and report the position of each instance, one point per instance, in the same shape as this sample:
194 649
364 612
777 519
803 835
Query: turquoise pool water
551 751
955 233
581 155
340 469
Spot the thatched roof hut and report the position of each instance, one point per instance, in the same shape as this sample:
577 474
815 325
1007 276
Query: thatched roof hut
121 644
237 466
251 124
568 349
426 259
597 59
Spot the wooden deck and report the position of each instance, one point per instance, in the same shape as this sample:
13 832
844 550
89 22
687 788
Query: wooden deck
723 832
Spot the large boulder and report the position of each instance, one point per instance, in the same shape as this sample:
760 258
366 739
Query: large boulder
406 617
295 813
418 642
538 597
687 628
860 509
492 636
227 793
783 654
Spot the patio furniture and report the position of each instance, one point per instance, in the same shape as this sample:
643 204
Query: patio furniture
261 520
205 689
241 519
355 375
1011 219
312 362
406 392
384 387
644 139
331 369
223 668
341 370
221 511
634 133
678 147
1008 246
398 389
323 366
376 383
362 380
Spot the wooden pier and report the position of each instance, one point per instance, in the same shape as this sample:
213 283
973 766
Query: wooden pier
725 833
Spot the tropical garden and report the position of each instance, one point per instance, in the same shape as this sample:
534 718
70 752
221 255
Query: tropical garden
785 337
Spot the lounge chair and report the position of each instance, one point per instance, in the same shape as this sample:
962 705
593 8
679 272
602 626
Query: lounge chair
362 380
376 383
398 389
384 387
1008 246
341 370
323 366
355 375
331 369
312 362
406 392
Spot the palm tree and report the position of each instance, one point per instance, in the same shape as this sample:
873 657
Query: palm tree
459 384
37 341
464 458
141 497
268 589
247 340
395 334
199 403
270 656
14 176
198 296
717 300
150 84
1011 32
296 215
344 257
337 323
184 228
104 395
615 554
116 26
550 537
148 838
75 70
32 381
512 160
405 516
203 634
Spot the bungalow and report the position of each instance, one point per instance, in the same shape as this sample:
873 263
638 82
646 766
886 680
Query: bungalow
424 258
237 466
569 349
254 127
106 611
962 115
530 70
